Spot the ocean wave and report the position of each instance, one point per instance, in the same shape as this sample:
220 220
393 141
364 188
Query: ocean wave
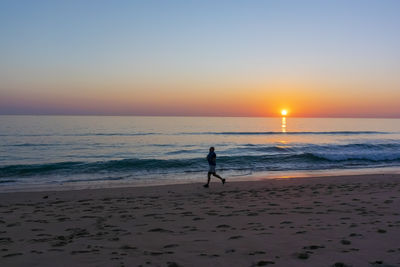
34 145
79 134
37 169
114 134
71 168
182 151
278 161
7 181
94 179
290 133
391 147
265 148
376 157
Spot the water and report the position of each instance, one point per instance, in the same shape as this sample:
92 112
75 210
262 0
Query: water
100 150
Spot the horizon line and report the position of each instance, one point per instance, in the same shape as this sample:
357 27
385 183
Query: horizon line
209 116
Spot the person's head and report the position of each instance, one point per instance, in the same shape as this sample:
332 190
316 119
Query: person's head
212 149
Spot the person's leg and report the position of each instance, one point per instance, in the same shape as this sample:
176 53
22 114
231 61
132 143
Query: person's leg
219 177
216 175
208 179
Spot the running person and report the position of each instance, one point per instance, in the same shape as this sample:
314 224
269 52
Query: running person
212 163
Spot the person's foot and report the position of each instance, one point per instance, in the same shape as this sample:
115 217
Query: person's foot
223 181
205 186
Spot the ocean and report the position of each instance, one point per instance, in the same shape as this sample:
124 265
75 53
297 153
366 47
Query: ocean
66 152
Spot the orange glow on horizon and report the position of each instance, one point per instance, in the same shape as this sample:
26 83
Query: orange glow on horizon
301 99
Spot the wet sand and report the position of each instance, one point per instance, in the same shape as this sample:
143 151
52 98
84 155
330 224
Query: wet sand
327 221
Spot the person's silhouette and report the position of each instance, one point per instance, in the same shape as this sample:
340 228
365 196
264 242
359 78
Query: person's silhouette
212 163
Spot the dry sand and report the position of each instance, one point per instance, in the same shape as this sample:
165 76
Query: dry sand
347 221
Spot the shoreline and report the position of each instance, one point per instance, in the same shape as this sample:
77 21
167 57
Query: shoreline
260 176
314 221
254 181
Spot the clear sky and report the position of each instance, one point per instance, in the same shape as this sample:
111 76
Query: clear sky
223 58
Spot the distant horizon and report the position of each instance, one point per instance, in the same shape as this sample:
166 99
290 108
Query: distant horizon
205 116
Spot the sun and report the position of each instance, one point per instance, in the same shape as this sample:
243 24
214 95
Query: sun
283 112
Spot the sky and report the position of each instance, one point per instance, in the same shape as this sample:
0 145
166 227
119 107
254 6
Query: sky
200 58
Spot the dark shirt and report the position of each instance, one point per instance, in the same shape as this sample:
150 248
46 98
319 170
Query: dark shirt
211 157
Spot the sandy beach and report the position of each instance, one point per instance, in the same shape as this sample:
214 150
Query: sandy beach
326 221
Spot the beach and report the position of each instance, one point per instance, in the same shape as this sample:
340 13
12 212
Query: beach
318 221
114 115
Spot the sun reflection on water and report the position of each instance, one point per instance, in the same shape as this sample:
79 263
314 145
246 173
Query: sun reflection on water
283 125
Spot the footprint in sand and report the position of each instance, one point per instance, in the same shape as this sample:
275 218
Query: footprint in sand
12 255
235 237
208 255
127 247
345 242
74 252
264 262
171 246
172 264
5 240
256 253
13 224
340 264
313 247
160 230
302 255
223 226
153 253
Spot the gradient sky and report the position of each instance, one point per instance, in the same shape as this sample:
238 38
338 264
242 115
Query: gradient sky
219 58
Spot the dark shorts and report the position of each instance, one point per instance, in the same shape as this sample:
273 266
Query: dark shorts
211 168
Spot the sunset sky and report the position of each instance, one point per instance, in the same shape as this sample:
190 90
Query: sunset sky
206 58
